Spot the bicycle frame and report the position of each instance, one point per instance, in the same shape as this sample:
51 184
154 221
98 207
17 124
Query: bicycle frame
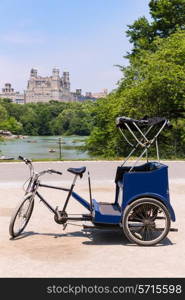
34 184
37 184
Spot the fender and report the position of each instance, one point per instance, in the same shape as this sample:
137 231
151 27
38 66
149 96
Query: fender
157 197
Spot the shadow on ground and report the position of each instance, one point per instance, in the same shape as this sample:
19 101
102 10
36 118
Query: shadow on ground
95 237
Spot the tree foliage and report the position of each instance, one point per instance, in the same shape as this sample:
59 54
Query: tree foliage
46 118
168 16
153 84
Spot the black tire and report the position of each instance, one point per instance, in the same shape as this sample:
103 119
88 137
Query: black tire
141 219
28 205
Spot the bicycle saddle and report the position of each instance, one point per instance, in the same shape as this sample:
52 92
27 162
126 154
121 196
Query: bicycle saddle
77 171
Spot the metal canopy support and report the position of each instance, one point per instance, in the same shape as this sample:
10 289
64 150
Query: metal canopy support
141 144
134 147
157 149
146 144
138 159
126 138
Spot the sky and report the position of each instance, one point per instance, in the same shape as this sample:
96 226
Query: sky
84 37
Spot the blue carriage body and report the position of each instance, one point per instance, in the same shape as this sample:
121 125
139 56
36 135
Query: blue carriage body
149 180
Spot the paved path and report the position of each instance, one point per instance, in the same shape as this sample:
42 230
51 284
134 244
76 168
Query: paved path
15 171
47 251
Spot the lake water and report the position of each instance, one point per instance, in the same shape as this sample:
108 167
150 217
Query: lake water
38 147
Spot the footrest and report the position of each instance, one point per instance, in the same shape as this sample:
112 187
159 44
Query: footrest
106 213
109 209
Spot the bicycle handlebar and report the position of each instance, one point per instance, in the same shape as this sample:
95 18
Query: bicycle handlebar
26 160
29 162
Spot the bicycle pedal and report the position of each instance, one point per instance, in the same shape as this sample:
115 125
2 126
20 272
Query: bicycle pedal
64 226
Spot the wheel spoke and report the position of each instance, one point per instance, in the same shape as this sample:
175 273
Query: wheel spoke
141 213
144 236
138 219
149 232
141 229
136 228
133 218
138 233
159 229
154 213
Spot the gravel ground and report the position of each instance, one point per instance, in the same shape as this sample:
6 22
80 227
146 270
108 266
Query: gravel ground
45 250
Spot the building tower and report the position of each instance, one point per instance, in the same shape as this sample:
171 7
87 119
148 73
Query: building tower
55 81
33 73
55 73
66 81
8 88
9 93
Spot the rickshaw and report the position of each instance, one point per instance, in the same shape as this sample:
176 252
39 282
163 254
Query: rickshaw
141 208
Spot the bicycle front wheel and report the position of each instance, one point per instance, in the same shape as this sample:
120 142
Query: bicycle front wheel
21 216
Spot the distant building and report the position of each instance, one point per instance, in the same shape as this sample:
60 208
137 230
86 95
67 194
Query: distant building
89 95
101 94
78 95
9 93
44 89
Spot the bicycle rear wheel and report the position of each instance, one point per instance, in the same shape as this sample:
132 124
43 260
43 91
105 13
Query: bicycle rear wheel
146 221
21 216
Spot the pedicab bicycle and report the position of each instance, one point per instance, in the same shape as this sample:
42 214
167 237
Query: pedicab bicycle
141 208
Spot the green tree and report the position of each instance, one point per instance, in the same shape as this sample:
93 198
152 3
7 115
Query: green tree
29 120
153 85
48 118
12 125
167 17
73 120
3 113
